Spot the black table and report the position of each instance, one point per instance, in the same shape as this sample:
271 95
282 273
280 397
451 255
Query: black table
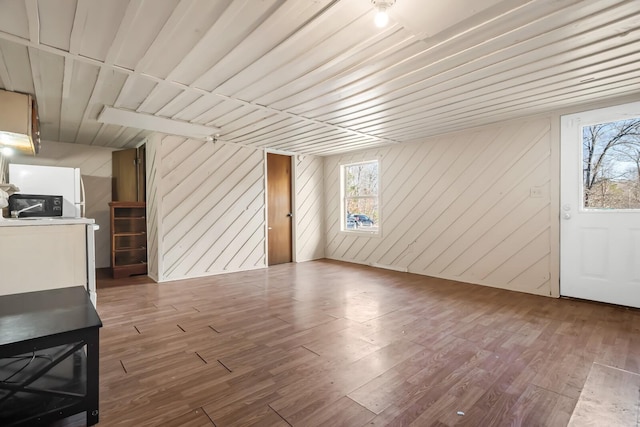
49 355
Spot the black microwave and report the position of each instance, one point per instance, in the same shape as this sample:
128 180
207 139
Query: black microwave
33 205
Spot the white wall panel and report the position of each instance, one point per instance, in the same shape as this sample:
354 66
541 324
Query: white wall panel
309 208
313 77
459 207
210 206
95 166
206 208
152 147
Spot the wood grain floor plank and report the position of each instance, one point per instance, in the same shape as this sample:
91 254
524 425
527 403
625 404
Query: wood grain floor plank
194 418
391 386
537 406
342 413
330 343
295 337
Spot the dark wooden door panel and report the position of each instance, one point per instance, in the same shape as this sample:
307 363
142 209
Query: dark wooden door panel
142 173
129 175
125 180
279 206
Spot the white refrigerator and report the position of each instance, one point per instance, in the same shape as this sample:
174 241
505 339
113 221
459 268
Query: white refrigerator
54 181
65 182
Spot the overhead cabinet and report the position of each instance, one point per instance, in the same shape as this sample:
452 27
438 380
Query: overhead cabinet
19 124
128 174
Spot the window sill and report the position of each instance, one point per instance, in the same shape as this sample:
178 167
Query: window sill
361 233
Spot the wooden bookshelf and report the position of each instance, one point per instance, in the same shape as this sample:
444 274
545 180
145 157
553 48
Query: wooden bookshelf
128 239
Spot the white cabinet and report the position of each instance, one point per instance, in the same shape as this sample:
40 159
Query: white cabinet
34 258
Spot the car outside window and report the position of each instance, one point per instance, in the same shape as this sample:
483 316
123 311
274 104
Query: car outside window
360 197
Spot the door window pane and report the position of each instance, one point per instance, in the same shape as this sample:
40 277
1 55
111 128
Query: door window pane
611 165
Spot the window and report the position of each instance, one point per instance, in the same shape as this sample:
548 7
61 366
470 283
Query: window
611 165
360 202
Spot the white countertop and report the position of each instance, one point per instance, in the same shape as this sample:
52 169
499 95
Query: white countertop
21 222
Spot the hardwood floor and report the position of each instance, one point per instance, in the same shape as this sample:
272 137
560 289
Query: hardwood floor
325 343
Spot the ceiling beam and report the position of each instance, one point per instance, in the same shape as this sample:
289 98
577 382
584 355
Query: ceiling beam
132 119
156 48
33 18
124 30
75 41
103 65
36 76
66 77
4 74
227 16
133 9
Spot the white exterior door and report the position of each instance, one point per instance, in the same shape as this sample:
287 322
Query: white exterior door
600 205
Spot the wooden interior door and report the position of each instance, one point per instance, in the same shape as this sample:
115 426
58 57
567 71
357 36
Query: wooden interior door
280 216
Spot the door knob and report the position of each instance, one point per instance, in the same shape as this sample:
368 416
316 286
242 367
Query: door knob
566 215
269 228
290 215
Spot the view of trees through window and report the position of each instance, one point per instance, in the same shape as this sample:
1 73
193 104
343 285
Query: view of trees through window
361 197
611 165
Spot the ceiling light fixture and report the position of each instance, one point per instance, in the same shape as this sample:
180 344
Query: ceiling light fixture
382 19
121 117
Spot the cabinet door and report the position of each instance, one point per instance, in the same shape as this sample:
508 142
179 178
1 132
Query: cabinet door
129 175
43 257
142 174
125 175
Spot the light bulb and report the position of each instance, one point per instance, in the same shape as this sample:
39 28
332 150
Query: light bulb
381 19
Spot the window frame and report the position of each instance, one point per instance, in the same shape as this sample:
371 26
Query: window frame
343 199
601 118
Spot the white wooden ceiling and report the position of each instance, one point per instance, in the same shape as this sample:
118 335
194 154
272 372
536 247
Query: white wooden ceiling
313 76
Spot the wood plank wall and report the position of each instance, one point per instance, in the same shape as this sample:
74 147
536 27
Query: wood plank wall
95 166
459 207
152 147
206 208
309 203
210 207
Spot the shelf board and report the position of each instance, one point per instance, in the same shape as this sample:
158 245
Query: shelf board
135 264
139 248
130 233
